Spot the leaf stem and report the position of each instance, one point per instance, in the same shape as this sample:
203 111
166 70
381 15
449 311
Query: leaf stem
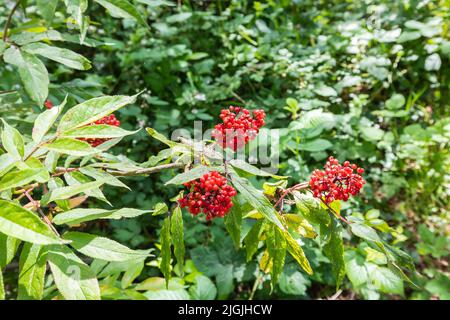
8 20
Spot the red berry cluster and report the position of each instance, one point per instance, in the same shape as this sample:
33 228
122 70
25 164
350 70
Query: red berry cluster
210 194
109 120
337 181
239 127
48 104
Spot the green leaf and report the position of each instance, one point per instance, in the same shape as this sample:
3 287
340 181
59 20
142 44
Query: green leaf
158 136
72 147
22 224
158 283
192 174
385 280
122 9
177 233
355 268
32 72
252 239
7 162
300 225
32 267
395 102
64 56
2 286
12 141
166 252
76 9
203 289
77 216
77 178
244 166
67 192
276 246
292 281
92 110
15 179
102 248
297 253
45 121
233 222
99 174
325 91
47 9
334 250
179 294
132 273
364 232
74 279
8 248
100 131
372 133
224 281
256 199
315 145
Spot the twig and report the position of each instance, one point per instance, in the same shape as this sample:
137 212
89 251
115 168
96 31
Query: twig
8 20
299 186
37 206
147 170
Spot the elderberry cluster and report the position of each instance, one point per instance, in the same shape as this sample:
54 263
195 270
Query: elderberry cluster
239 127
336 181
210 195
109 120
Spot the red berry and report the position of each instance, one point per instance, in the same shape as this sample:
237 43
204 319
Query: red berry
108 120
48 104
210 195
238 128
336 182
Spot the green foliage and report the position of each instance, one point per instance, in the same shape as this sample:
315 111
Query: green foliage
335 78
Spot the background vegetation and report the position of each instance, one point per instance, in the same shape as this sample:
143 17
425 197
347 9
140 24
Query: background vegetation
365 81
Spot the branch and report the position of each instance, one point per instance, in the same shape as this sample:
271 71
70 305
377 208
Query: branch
147 171
8 21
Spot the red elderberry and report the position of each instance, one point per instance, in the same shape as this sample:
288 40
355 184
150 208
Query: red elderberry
48 104
336 181
239 127
210 195
109 120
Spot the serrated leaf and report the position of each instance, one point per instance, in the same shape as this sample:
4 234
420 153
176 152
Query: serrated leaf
32 72
71 147
99 174
297 253
233 222
158 136
77 216
276 247
192 174
8 248
334 251
77 178
22 224
15 179
122 9
32 268
92 110
64 56
45 120
12 141
256 199
300 225
132 273
244 166
67 192
99 131
166 253
252 239
102 248
316 145
177 234
74 279
365 232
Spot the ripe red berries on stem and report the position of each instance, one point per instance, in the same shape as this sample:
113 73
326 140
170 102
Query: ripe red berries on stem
239 127
210 195
48 104
336 182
